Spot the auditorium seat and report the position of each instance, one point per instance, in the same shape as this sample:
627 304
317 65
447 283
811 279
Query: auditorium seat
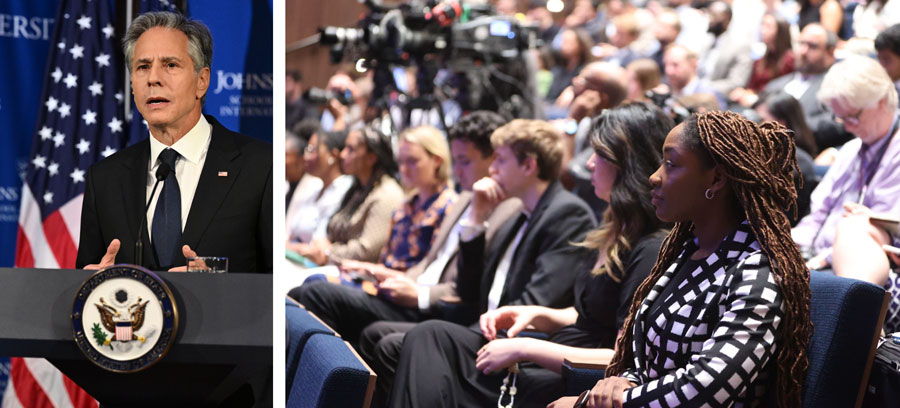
301 325
847 316
330 374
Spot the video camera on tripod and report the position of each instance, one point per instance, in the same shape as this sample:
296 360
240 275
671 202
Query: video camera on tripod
483 51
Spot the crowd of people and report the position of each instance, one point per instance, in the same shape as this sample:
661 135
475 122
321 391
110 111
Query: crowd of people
691 166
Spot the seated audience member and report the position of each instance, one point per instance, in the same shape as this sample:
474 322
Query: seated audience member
411 296
724 315
815 55
624 46
295 177
887 44
424 159
858 254
627 142
643 75
828 13
666 30
315 206
681 73
726 64
360 229
530 261
574 53
867 169
785 110
778 60
875 16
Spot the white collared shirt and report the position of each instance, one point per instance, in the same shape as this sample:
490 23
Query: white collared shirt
192 147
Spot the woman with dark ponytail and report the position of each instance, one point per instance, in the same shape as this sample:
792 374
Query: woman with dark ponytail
723 319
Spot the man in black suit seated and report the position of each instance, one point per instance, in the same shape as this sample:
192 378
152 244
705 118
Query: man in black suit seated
216 201
531 259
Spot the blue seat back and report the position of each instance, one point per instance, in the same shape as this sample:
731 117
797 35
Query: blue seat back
847 315
329 375
300 327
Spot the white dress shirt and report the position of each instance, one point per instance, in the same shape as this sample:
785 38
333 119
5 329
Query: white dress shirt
192 147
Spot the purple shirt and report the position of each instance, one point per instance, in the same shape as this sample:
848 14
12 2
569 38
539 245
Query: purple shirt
842 183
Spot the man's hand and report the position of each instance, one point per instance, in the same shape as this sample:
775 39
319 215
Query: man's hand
400 290
487 195
109 258
188 254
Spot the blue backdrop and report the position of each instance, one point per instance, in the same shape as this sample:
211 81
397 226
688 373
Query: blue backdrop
25 31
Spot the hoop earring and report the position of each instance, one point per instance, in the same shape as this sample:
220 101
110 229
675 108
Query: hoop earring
709 194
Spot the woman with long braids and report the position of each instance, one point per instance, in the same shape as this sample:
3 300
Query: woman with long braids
723 319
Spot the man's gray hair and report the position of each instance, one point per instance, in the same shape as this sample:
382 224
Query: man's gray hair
199 46
859 82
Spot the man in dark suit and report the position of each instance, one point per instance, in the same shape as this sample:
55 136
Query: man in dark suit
531 259
217 197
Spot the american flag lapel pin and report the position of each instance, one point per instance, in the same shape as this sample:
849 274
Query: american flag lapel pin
223 174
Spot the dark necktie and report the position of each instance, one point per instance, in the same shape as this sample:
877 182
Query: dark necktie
167 216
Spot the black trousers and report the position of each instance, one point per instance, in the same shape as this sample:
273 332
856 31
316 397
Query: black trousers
349 310
380 344
436 368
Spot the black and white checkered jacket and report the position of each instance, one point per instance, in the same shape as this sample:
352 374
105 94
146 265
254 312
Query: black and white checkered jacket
711 340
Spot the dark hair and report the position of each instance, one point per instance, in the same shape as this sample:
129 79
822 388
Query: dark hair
476 127
759 162
787 110
629 137
333 140
305 128
782 43
585 43
889 40
381 146
296 75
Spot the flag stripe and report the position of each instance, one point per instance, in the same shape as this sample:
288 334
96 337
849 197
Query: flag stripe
28 390
24 259
62 245
33 228
77 396
49 378
71 214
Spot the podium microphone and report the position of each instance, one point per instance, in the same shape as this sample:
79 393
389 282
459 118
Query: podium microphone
161 173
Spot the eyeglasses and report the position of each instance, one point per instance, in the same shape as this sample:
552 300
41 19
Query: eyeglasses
851 120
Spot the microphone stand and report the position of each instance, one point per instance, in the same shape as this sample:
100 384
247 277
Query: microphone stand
161 173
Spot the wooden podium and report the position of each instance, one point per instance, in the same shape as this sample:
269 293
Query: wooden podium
222 353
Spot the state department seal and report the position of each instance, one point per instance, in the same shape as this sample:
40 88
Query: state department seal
124 318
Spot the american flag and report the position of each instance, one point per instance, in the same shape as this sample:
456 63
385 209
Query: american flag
81 121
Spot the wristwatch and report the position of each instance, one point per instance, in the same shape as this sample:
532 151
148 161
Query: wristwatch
582 400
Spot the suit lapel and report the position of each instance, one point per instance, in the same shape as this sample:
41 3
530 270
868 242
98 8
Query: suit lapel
216 179
527 240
